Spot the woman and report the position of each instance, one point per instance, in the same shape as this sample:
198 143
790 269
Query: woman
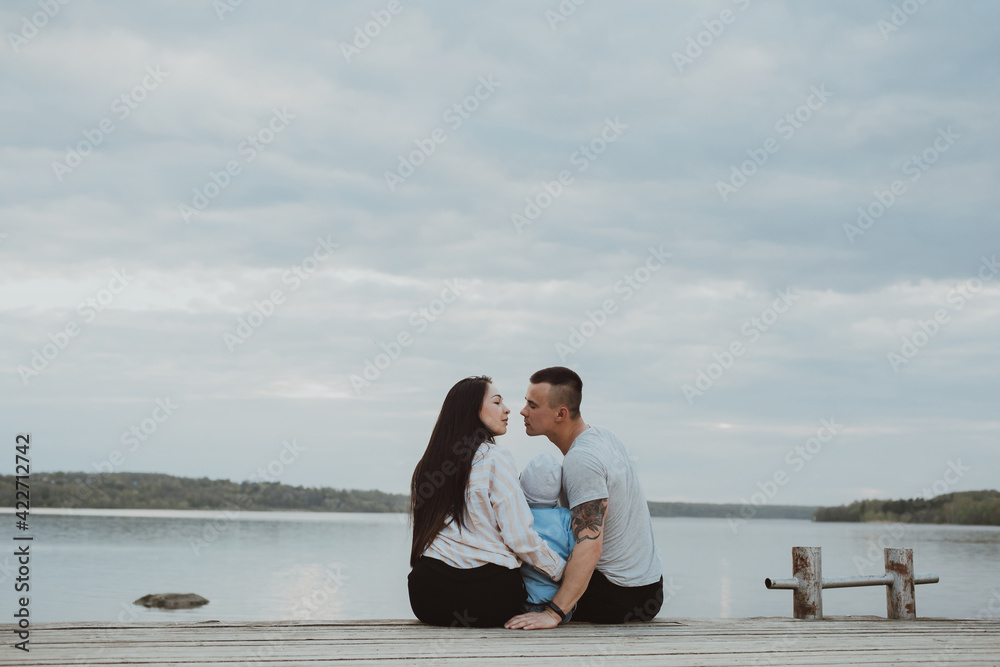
471 523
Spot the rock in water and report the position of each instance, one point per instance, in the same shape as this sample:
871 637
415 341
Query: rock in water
171 600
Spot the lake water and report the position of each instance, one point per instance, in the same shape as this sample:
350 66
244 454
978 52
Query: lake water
90 565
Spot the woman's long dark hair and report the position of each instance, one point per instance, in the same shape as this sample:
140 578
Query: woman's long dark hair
437 490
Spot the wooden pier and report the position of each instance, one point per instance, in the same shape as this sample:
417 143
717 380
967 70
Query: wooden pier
745 641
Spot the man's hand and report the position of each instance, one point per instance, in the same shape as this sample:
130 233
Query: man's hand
539 620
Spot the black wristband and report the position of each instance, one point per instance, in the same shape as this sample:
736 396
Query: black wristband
562 614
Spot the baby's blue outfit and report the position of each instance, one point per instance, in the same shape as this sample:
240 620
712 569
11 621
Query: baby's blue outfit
553 526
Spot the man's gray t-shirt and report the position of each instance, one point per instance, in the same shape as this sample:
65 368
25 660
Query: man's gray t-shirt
598 466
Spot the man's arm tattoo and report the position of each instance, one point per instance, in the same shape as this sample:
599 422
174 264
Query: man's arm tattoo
587 519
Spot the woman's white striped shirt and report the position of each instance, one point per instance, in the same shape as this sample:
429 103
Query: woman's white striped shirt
498 525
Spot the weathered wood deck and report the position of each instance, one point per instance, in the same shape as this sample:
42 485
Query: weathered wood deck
748 641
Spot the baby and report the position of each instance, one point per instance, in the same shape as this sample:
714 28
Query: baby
541 481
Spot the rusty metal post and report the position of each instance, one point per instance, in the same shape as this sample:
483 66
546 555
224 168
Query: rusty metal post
808 583
900 600
807 568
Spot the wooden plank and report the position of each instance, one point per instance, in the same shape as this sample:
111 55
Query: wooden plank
845 641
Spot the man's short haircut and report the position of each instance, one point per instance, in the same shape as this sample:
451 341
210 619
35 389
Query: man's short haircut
567 388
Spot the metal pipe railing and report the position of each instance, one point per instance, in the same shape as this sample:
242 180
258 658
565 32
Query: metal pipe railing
850 582
807 582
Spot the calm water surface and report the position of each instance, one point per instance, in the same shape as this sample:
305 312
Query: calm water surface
90 565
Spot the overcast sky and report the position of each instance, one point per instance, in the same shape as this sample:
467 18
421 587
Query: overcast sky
735 219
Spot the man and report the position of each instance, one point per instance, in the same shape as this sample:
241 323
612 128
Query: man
614 574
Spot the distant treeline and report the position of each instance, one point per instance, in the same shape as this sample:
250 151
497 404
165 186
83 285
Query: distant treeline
128 490
710 510
132 490
971 508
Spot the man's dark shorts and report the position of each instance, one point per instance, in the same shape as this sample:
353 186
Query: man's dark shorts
605 602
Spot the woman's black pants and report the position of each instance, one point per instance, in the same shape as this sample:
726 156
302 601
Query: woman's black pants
480 597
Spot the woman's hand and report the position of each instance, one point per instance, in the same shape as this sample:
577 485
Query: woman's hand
540 620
